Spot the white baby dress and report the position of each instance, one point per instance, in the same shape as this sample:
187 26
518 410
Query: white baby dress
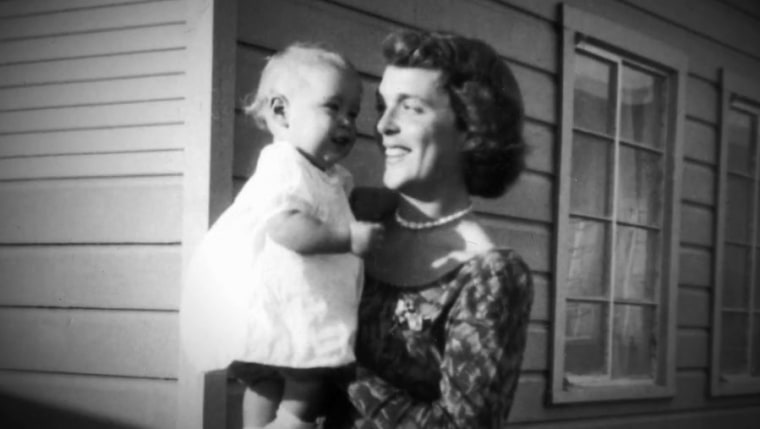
250 299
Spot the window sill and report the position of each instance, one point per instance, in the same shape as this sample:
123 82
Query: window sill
610 390
735 385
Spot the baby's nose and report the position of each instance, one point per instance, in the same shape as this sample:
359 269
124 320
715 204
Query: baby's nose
348 121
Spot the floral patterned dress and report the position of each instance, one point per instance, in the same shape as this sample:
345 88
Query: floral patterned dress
442 355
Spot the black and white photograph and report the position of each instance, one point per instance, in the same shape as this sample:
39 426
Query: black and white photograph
379 214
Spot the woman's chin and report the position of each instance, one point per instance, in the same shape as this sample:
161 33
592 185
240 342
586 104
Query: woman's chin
392 181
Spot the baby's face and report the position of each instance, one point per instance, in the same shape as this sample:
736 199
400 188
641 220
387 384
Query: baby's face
322 119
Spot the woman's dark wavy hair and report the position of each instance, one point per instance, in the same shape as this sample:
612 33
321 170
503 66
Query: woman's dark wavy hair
485 98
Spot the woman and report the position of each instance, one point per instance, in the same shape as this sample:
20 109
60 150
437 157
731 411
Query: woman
444 311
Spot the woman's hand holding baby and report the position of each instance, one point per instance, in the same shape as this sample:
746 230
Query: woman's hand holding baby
365 236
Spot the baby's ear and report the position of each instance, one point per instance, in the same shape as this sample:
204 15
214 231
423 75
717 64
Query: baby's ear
278 108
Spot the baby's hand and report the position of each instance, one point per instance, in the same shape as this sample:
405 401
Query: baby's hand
365 236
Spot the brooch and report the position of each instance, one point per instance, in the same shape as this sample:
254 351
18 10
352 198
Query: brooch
407 314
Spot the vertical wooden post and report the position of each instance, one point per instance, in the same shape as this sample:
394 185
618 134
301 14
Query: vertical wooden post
209 139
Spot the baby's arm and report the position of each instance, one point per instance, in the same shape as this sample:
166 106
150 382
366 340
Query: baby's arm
305 234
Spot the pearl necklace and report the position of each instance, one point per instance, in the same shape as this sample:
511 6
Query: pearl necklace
432 223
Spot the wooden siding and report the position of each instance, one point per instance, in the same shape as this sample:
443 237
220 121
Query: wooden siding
90 341
92 114
526 34
131 210
135 277
76 401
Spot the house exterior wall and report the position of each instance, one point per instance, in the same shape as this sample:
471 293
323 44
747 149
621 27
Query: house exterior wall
714 35
94 108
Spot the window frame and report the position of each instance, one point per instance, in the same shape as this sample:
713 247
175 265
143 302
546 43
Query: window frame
733 88
616 39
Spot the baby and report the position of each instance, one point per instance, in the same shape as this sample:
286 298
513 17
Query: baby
276 282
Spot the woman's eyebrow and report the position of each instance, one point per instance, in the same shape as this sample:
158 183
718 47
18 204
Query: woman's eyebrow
399 97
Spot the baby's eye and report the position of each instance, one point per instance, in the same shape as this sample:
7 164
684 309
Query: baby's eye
353 114
380 107
332 107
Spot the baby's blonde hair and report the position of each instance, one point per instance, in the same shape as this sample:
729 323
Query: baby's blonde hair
282 73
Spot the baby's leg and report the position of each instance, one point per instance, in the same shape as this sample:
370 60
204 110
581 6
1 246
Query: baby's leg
302 399
260 402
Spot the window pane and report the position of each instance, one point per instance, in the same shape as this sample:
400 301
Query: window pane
738 206
637 255
634 341
642 107
756 292
593 101
588 255
735 276
733 350
756 346
640 186
740 142
756 225
586 338
590 189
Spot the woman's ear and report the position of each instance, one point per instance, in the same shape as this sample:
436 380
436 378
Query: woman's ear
278 107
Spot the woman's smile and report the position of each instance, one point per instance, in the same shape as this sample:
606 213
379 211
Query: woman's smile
394 154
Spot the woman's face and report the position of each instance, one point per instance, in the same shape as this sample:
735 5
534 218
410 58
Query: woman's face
417 130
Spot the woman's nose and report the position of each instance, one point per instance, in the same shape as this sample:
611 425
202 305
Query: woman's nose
386 123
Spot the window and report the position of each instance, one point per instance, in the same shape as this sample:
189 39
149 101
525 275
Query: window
736 339
617 213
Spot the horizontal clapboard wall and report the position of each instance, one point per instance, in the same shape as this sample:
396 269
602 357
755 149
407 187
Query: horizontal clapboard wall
141 276
525 33
92 116
81 401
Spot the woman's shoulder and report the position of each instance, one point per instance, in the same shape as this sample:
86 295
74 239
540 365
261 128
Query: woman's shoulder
497 269
484 252
497 259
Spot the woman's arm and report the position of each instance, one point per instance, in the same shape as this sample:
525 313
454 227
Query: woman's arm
484 343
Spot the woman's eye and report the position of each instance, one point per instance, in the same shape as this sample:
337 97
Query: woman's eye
411 106
332 107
